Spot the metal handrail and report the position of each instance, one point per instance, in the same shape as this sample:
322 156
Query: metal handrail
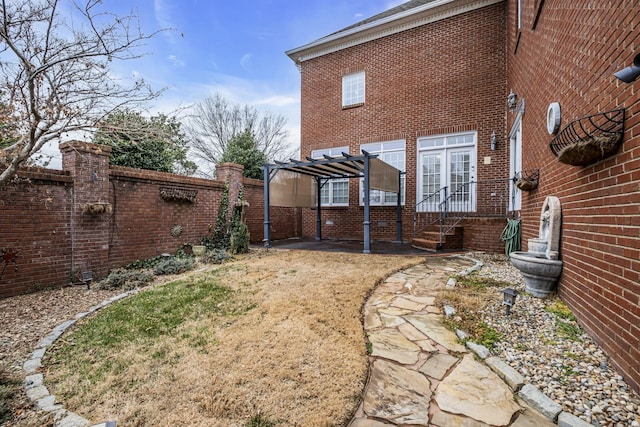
420 207
486 198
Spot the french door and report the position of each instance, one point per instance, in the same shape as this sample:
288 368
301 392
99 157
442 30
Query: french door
453 168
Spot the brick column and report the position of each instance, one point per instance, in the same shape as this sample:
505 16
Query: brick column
231 173
91 210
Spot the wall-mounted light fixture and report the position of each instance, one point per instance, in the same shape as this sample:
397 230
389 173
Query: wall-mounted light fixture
494 141
631 73
512 101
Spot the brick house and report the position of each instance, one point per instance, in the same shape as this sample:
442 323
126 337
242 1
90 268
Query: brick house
425 86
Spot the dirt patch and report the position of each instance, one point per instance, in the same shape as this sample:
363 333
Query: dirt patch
297 357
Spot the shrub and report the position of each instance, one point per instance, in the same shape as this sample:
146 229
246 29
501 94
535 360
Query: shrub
173 265
216 256
240 239
122 278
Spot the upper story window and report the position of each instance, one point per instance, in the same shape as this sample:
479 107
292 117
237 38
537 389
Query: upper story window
353 89
334 192
393 153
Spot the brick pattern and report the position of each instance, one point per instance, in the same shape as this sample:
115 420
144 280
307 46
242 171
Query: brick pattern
43 218
441 78
570 58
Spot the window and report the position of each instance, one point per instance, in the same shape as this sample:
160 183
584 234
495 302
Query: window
353 89
393 153
334 192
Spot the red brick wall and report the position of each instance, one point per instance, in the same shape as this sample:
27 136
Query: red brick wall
43 218
570 57
35 224
444 77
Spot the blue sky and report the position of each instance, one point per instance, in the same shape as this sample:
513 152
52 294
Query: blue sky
236 48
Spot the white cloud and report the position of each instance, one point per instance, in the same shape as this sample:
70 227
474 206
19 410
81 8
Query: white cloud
277 101
176 61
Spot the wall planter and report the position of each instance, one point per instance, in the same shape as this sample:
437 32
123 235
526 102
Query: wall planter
527 180
589 139
96 208
175 194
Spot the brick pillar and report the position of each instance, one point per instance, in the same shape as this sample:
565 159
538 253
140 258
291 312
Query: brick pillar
91 210
232 173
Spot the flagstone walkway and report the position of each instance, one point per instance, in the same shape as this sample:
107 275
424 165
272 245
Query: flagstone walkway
420 375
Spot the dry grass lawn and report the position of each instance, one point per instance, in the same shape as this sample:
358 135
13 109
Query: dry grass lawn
293 350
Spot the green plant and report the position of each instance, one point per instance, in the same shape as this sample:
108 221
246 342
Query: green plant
122 278
561 310
173 265
145 263
474 281
240 239
215 256
568 330
258 420
220 237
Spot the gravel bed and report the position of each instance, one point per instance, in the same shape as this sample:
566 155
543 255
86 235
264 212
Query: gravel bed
570 368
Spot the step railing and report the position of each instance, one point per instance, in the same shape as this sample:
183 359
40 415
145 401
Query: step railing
491 198
427 211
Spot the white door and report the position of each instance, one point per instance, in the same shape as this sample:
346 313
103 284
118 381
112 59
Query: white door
451 168
432 178
461 172
515 162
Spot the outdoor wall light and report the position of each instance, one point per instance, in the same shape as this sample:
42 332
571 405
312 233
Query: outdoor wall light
494 141
631 73
512 101
509 296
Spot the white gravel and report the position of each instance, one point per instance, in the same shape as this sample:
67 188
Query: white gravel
573 371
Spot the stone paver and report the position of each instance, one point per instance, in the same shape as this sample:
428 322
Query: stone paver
398 394
473 390
420 373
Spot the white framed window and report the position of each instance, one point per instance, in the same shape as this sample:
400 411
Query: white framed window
334 192
353 89
393 153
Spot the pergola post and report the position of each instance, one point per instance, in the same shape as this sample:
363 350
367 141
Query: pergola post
267 211
399 211
367 210
319 209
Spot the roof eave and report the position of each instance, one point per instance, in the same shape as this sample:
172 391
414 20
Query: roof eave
402 21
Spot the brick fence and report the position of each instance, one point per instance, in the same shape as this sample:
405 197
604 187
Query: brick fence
93 217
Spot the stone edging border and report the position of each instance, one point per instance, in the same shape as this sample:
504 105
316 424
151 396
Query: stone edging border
530 394
39 394
34 382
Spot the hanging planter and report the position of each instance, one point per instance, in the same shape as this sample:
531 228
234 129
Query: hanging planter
96 208
589 139
175 194
527 180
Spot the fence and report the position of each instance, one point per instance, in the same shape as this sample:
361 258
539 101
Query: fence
90 217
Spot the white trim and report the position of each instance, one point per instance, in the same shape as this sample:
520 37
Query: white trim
393 24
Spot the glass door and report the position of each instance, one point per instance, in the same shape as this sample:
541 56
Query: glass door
432 177
515 162
453 168
461 175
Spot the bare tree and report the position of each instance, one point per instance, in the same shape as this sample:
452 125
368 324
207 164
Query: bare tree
55 71
215 122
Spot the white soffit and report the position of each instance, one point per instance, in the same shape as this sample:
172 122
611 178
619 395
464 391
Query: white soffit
401 21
